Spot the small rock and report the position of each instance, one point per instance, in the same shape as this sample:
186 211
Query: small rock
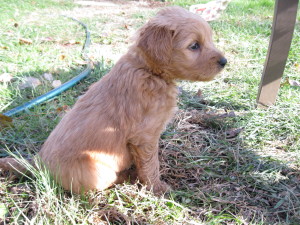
294 83
56 83
48 76
232 133
30 82
5 77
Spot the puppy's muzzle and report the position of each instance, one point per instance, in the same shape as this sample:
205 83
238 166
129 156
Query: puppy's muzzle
222 62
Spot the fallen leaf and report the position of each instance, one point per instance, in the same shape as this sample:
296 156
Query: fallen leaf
294 83
48 76
62 57
3 47
5 77
72 42
29 82
56 83
23 41
63 110
5 121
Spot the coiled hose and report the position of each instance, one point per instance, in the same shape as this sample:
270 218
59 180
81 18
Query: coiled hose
64 86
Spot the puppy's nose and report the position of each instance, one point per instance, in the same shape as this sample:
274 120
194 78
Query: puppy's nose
222 61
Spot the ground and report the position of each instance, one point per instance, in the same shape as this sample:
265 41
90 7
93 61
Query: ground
227 162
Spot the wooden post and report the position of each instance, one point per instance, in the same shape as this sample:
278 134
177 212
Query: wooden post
282 32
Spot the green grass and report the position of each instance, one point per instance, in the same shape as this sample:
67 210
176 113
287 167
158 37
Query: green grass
227 161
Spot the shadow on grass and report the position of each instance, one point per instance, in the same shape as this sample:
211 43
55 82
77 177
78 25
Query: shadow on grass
219 177
188 100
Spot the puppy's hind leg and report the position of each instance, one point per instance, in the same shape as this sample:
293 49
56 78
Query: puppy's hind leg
87 174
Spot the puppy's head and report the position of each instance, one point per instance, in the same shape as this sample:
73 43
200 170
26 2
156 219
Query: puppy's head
180 43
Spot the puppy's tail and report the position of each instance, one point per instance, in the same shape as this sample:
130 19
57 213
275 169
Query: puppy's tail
17 166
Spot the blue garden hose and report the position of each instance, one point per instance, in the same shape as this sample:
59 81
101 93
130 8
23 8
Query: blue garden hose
64 86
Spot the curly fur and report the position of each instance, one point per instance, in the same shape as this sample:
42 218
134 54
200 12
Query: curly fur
118 121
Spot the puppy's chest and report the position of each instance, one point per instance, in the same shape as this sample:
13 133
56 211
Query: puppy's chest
164 105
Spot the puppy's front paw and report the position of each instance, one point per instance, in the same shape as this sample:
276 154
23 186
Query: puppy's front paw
161 188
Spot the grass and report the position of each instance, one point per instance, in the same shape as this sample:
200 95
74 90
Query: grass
227 161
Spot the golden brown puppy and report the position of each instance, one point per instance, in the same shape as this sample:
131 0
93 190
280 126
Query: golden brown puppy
118 122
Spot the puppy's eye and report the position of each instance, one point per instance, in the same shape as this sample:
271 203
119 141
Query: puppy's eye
194 46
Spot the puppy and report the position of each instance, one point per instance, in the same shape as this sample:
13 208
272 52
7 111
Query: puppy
118 122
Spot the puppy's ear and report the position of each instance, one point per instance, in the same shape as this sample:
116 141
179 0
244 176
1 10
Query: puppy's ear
156 42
